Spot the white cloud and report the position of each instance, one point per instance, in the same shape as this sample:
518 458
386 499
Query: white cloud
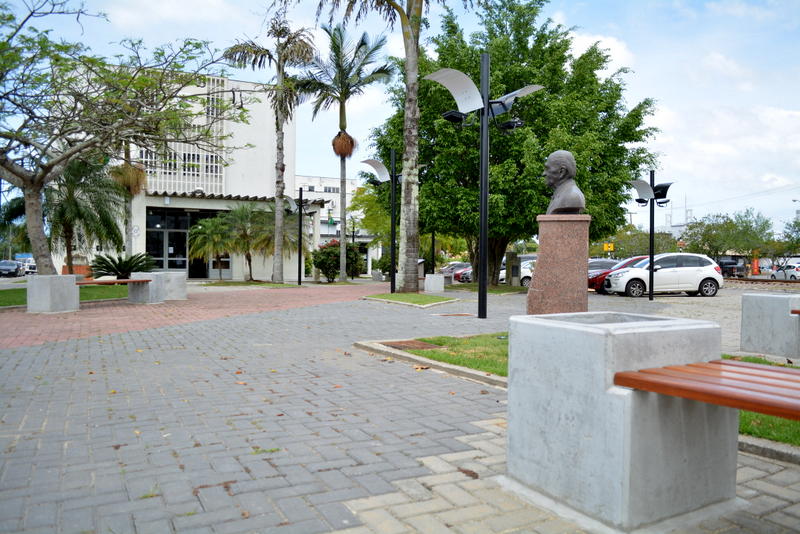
739 9
619 53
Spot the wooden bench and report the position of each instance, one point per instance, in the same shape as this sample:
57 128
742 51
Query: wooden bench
123 281
767 389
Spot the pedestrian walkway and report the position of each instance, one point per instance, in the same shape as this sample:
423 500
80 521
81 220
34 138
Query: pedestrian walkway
249 411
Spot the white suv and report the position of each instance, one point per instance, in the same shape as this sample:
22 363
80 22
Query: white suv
695 274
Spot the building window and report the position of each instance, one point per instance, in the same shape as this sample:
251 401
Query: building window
191 164
310 188
328 189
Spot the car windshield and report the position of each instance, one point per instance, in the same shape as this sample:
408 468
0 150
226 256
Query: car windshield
620 264
8 263
642 264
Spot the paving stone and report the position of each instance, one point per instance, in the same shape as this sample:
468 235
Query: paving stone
468 513
428 524
455 494
295 509
382 522
764 504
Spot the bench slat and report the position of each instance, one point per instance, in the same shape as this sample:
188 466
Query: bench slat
111 282
760 366
731 397
793 393
731 374
765 373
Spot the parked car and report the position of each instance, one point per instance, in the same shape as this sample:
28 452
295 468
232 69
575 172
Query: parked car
30 267
790 271
525 273
458 273
695 274
732 269
597 277
466 275
601 263
9 268
451 267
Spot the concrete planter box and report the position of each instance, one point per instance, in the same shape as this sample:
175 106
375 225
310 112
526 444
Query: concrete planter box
175 286
52 293
768 326
378 276
616 456
150 293
434 283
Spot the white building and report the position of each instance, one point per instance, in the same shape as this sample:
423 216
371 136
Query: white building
191 184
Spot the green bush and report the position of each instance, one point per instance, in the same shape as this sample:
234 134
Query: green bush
326 259
383 264
120 266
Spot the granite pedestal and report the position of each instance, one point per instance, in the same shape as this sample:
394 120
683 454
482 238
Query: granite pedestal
559 283
616 456
768 326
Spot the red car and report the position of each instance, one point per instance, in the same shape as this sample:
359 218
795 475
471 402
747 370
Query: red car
598 277
459 275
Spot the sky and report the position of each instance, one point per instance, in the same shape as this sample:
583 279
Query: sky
725 76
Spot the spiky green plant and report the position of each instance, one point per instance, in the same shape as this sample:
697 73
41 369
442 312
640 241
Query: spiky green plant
120 266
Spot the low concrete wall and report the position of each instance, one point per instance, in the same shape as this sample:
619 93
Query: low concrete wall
434 283
175 286
622 457
150 293
768 326
52 293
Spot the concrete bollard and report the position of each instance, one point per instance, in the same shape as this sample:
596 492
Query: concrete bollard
175 286
768 326
434 283
52 293
616 456
150 293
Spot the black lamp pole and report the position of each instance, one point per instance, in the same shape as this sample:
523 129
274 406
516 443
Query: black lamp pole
300 240
652 235
483 239
393 185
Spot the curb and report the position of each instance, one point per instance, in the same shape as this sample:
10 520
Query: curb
760 447
421 306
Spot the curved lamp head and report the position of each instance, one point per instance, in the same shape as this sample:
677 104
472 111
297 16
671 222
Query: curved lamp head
380 169
643 190
660 190
467 96
504 103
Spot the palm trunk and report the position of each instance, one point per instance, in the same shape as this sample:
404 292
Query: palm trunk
219 267
249 258
280 185
408 279
68 244
343 218
35 226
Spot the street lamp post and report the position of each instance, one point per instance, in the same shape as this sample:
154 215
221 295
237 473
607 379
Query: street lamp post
383 176
469 99
651 194
300 239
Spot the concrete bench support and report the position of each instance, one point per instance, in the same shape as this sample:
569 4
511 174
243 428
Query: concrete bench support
616 457
434 283
52 293
175 288
768 325
150 293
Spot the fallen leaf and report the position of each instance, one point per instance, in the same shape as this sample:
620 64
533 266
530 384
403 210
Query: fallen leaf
280 415
137 432
452 392
157 362
273 370
242 383
484 392
421 367
336 386
91 372
112 392
470 473
245 514
238 372
139 350
347 353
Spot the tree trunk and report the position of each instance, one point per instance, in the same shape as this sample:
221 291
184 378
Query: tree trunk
35 226
68 245
343 218
128 228
280 185
219 267
249 258
408 279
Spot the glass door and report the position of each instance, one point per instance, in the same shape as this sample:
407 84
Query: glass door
176 249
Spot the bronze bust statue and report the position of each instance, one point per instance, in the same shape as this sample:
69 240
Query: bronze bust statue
559 173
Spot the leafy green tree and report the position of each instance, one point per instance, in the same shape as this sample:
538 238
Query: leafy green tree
791 237
579 110
631 241
246 224
291 49
12 227
210 238
58 103
346 72
83 206
711 235
751 231
326 259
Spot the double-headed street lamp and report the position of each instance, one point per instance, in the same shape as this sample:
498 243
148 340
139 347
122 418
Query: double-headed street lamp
385 176
469 99
652 194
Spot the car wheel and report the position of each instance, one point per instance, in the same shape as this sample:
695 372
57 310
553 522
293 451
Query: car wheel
708 287
692 293
525 282
635 288
772 277
601 291
793 277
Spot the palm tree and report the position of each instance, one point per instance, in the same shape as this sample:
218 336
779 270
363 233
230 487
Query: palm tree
83 206
133 180
210 238
292 48
345 73
246 225
266 240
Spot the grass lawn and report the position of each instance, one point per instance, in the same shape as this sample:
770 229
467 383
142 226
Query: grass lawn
226 283
18 296
489 353
411 298
496 290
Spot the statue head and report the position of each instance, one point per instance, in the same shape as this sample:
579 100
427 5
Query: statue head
559 167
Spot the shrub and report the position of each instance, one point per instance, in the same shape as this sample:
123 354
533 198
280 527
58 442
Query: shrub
383 264
120 266
326 259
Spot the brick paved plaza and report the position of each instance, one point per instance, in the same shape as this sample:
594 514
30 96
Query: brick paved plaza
249 411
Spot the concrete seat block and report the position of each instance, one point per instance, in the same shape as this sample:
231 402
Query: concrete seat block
768 326
52 293
150 293
175 286
623 457
434 283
